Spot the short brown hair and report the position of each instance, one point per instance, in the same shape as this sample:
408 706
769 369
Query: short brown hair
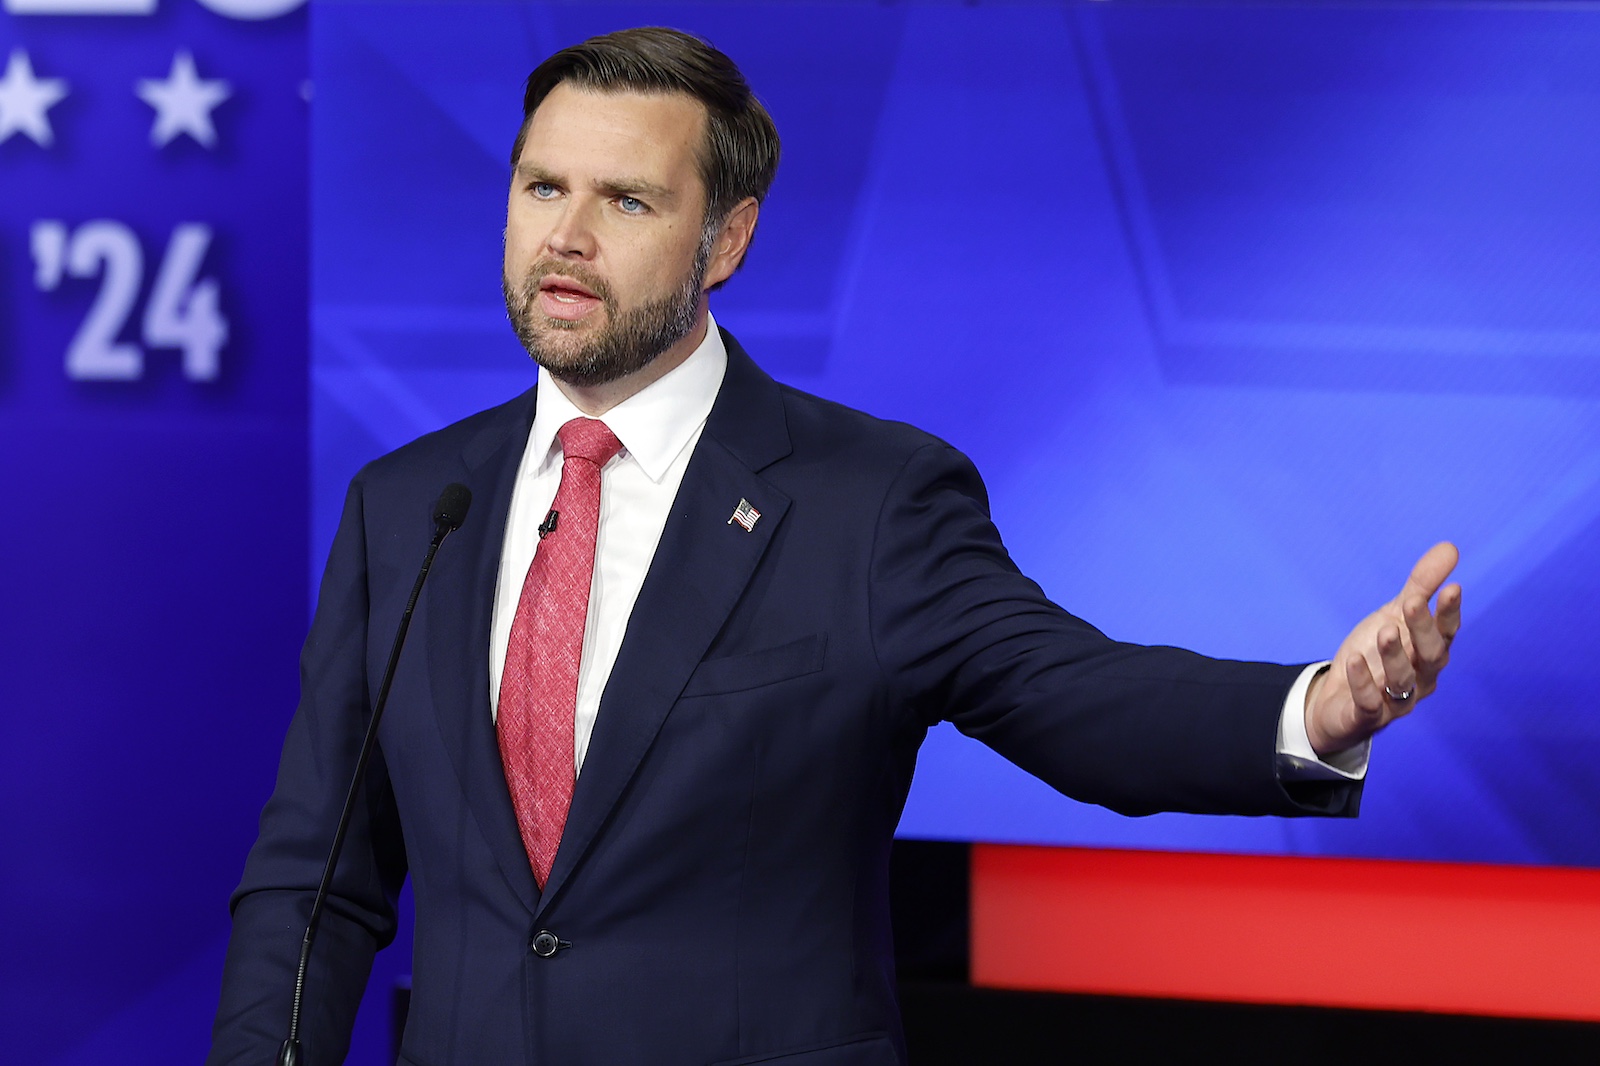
740 154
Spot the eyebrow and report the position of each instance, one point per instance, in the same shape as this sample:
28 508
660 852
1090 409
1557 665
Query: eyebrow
619 186
636 187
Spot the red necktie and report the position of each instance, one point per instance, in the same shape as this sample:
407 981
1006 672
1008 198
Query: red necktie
539 686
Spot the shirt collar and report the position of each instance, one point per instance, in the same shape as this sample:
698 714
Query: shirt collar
655 423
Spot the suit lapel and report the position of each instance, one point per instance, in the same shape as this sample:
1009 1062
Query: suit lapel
460 610
700 570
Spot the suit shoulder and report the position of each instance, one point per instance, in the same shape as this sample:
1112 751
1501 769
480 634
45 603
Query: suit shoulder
830 430
440 452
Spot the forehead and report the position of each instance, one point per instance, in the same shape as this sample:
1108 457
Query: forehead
593 131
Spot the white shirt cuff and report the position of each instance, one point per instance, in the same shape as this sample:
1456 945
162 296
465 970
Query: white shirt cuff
1296 759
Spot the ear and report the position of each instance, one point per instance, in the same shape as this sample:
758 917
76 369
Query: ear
732 241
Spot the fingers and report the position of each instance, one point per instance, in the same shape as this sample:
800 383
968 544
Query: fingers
1429 634
1373 686
1430 571
1449 618
1429 645
1366 695
1400 679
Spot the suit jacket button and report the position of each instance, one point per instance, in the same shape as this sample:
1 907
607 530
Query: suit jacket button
545 944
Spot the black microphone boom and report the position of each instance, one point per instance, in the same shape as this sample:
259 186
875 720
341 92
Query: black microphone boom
448 514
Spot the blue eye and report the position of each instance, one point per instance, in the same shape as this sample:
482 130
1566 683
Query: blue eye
543 190
631 205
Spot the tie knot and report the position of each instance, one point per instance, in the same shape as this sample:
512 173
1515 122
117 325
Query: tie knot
588 438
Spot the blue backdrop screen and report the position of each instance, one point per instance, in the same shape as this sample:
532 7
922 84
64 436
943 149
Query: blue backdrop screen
1238 308
153 413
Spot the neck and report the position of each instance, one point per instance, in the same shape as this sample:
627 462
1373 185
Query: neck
596 400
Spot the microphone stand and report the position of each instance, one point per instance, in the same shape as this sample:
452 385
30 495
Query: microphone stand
449 513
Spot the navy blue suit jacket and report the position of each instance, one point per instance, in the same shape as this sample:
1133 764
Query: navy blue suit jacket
721 888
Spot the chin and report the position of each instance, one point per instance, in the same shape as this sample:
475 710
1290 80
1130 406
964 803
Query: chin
562 353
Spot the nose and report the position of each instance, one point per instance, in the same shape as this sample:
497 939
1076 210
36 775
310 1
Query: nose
572 236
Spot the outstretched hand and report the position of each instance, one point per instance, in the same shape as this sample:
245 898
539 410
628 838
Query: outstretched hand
1390 660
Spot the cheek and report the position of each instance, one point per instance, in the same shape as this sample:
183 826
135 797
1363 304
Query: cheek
524 236
515 242
669 257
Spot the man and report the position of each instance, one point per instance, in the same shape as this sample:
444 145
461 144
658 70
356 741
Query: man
648 743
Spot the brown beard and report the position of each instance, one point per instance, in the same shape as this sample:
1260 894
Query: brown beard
629 341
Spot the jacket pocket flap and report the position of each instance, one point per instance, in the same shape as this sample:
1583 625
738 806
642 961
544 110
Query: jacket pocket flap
735 673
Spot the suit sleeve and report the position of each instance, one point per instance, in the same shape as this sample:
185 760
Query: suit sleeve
964 636
273 901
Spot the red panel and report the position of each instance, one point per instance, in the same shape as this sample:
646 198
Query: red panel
1501 940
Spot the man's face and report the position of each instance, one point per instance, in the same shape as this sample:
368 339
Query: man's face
605 256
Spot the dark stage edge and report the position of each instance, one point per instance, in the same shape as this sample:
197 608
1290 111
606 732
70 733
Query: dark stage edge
949 1024
953 1024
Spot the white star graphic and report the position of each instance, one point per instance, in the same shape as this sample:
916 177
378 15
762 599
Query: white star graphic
24 99
183 103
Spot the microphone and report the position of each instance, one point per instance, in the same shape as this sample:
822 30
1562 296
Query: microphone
548 526
451 510
448 514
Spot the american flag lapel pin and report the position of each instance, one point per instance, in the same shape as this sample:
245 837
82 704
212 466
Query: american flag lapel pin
745 515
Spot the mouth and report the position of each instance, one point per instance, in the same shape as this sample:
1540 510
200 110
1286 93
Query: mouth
562 297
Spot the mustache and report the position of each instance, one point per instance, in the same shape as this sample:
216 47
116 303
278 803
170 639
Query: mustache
578 272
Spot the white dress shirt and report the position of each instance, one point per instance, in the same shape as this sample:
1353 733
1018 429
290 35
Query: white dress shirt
659 427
